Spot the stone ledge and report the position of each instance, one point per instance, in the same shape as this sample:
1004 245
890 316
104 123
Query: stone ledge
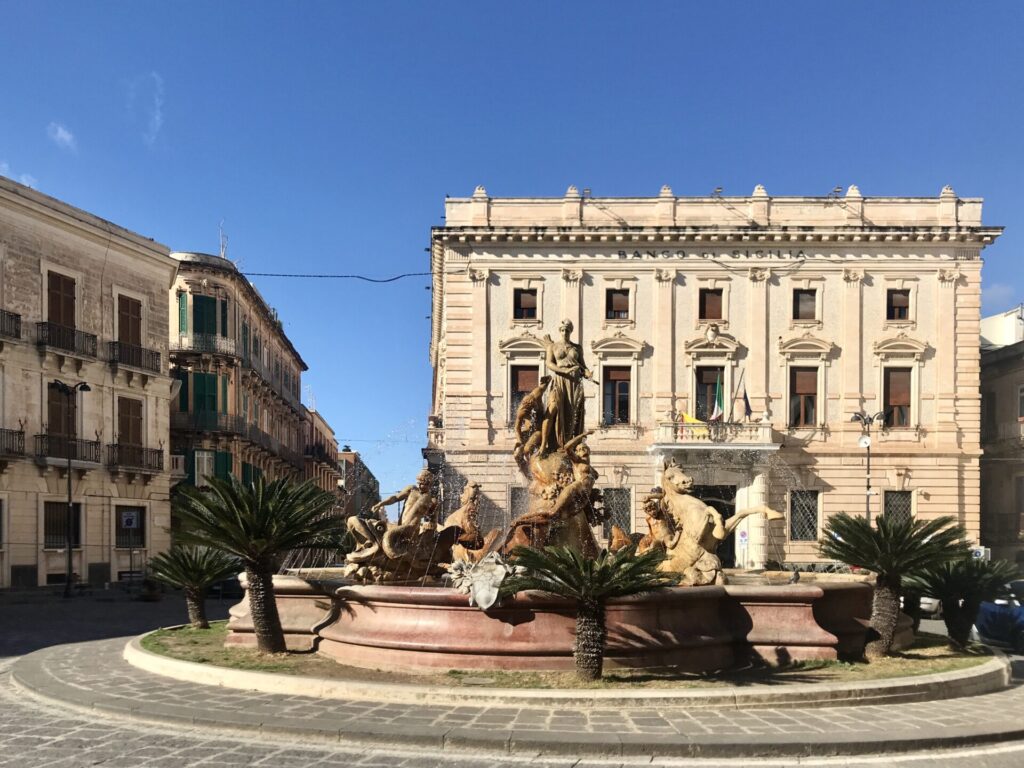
993 675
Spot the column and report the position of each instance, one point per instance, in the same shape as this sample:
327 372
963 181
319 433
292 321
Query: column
755 526
853 348
480 415
664 342
756 379
572 307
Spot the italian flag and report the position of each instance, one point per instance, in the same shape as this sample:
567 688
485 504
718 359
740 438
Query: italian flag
719 411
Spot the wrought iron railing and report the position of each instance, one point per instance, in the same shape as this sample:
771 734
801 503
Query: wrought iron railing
133 356
59 447
135 457
12 442
714 432
66 339
10 324
205 342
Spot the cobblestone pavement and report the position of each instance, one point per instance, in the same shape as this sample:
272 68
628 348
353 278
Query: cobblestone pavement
38 732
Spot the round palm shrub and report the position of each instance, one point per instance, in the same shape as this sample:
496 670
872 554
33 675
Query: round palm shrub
193 570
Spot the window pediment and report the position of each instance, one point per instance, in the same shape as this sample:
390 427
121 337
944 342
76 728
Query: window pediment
617 345
712 343
900 347
806 346
525 344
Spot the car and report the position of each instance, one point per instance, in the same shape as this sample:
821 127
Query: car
1001 622
930 607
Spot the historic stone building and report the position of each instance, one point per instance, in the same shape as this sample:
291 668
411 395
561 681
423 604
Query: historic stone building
809 308
321 452
238 406
360 488
84 302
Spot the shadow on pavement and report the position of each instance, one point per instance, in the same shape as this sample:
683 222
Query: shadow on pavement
30 621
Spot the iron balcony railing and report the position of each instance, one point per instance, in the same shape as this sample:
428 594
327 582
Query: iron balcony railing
60 447
701 433
276 383
274 446
12 442
135 457
10 324
206 342
134 357
208 421
318 453
66 339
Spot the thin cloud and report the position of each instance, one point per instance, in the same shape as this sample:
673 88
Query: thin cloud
5 169
998 297
61 136
146 105
28 180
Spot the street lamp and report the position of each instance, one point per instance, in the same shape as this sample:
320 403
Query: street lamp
69 391
865 442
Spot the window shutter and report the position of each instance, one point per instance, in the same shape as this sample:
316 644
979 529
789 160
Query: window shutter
129 421
61 299
222 465
190 467
897 386
183 392
805 381
224 393
129 321
223 317
525 378
183 313
711 304
204 314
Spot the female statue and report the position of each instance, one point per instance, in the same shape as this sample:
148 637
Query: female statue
563 411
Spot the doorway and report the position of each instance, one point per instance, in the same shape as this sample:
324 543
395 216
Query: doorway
723 499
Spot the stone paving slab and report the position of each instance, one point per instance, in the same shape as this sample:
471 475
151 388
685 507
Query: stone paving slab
93 676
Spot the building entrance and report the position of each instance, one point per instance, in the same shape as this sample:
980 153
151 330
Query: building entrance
723 499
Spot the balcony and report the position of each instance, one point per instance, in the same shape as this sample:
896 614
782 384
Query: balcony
274 382
274 446
60 337
10 324
178 465
63 448
716 435
205 343
12 442
319 454
133 357
208 421
135 458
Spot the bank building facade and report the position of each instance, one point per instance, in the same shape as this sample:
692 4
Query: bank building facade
736 336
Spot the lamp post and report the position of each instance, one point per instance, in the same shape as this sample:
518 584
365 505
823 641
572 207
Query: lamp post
69 391
865 442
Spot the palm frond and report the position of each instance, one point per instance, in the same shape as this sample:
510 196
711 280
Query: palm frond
192 567
965 579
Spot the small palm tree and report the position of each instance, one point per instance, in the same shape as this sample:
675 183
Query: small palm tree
894 548
564 572
193 569
962 586
259 523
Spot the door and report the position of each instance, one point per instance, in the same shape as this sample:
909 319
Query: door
129 321
708 379
723 499
204 315
129 430
60 309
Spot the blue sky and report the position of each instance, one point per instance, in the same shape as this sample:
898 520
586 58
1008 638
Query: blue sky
325 135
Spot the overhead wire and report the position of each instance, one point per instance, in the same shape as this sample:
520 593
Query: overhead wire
337 277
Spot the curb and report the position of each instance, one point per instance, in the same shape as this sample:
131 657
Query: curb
988 677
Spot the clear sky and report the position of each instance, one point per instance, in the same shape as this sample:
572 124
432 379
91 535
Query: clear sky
326 135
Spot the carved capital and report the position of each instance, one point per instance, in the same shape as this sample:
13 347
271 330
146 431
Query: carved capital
479 275
663 275
572 275
853 276
950 276
759 274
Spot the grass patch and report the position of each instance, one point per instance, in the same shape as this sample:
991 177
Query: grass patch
930 654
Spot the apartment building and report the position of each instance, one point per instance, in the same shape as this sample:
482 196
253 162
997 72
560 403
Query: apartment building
790 314
360 487
321 452
84 391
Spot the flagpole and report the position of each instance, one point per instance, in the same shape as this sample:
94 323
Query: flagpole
732 402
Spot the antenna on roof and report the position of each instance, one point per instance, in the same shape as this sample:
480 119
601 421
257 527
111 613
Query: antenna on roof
223 240
310 397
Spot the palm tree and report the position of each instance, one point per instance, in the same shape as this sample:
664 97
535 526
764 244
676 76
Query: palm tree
962 586
564 572
258 523
897 547
193 569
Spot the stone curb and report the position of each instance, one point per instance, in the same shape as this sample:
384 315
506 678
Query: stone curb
991 676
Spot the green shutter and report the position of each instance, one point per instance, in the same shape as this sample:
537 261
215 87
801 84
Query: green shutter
204 314
224 393
245 342
223 317
205 395
246 473
190 467
222 465
183 313
183 392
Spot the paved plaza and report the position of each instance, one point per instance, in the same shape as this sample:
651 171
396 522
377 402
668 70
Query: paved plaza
87 707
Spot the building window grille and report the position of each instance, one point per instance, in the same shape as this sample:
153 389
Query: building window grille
619 508
805 304
897 304
131 527
897 397
803 397
616 396
519 504
616 304
899 505
803 516
524 303
524 380
710 304
55 516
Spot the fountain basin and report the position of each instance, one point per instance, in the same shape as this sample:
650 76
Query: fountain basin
304 605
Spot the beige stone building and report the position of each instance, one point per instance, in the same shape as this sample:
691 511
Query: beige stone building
1002 434
321 452
813 308
84 302
238 406
360 488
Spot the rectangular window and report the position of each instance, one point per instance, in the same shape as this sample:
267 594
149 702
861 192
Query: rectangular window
524 379
182 313
129 321
709 379
222 465
524 303
246 473
55 520
130 532
710 304
803 397
899 505
60 308
805 304
204 315
129 421
224 393
618 505
803 515
61 421
616 304
205 466
245 342
223 317
204 398
897 304
897 397
616 396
